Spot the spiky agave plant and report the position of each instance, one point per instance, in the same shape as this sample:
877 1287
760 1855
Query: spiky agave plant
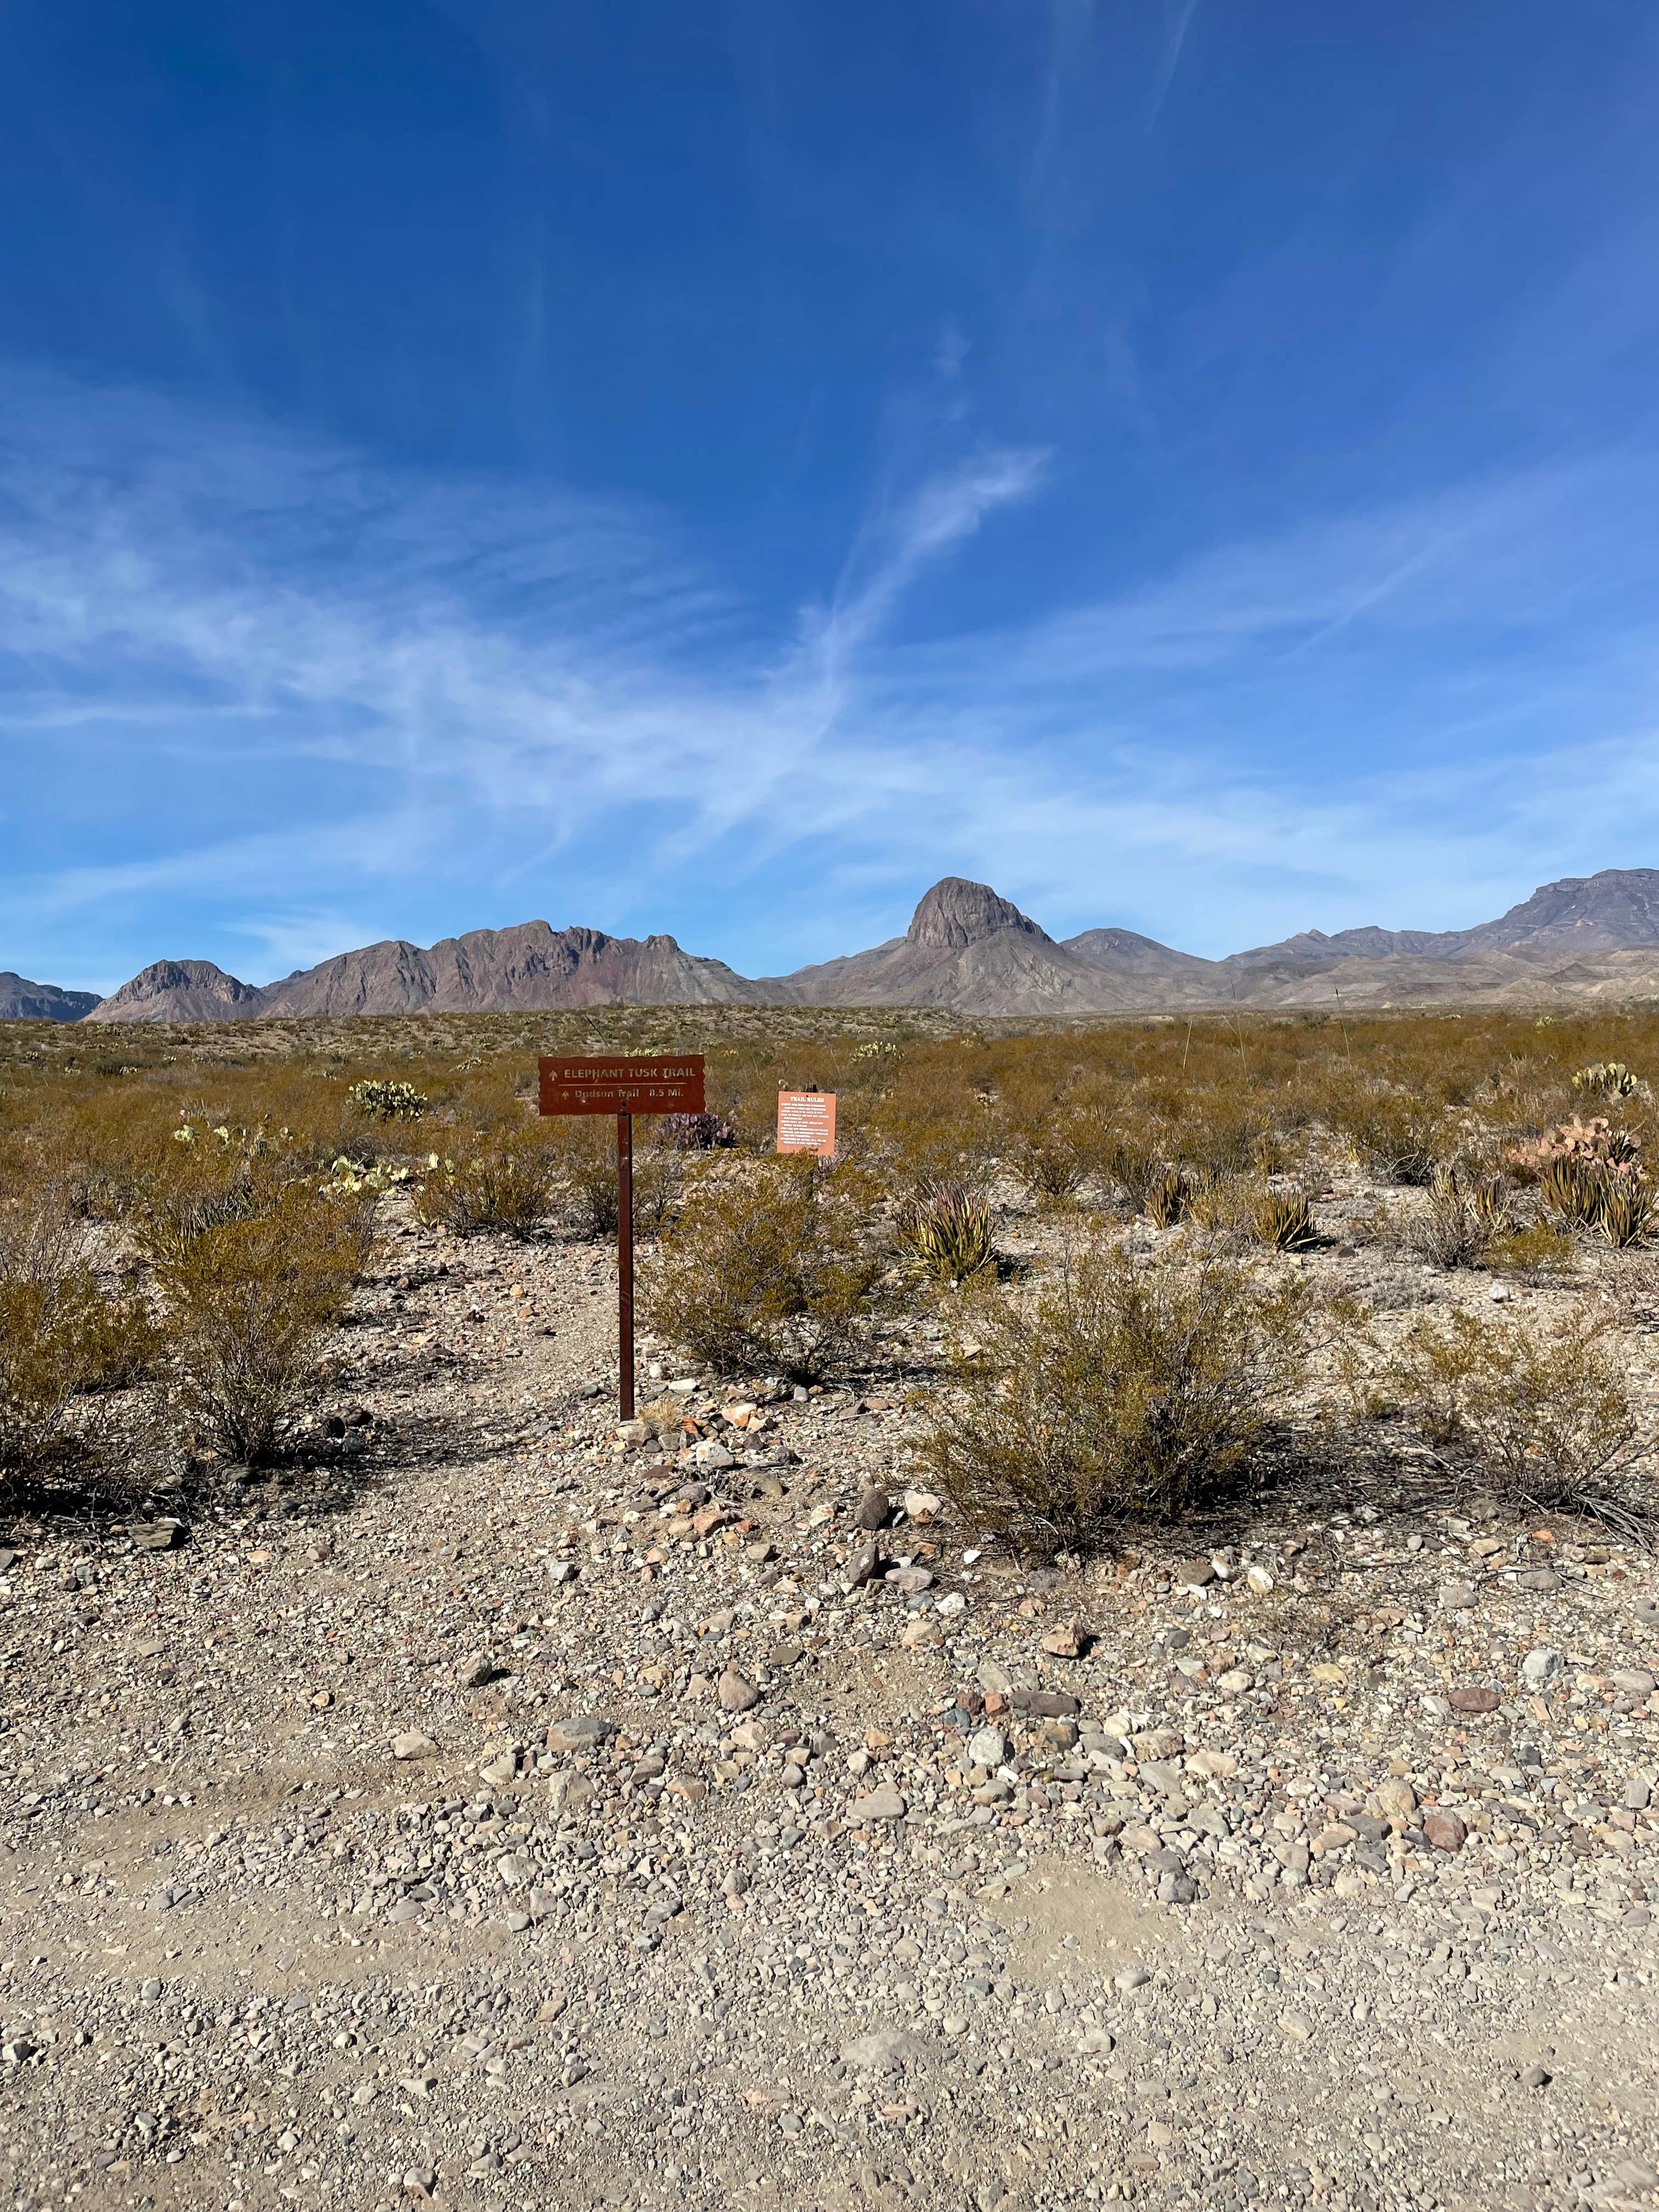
1284 1219
1571 1189
1624 1215
1167 1197
947 1231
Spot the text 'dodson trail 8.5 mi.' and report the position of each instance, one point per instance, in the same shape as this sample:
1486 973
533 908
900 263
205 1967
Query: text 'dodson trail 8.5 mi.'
623 1086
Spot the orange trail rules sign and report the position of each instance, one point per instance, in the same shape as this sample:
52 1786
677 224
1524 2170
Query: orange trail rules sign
806 1121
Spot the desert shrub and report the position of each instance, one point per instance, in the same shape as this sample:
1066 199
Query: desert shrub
61 1333
384 1099
585 1170
206 1181
1285 1219
1054 1153
1533 1254
1540 1418
1395 1136
507 1180
946 1231
694 1133
1608 1079
775 1269
1133 1161
1463 1216
248 1302
1116 1394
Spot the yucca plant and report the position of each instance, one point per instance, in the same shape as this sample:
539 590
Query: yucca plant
946 1229
1284 1219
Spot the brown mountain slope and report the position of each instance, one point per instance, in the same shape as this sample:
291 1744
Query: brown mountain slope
179 991
517 969
1585 938
523 968
968 948
23 1001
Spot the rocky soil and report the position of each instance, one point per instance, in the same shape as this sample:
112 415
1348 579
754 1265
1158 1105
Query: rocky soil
509 1812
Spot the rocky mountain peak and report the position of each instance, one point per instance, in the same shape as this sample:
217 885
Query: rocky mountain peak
956 913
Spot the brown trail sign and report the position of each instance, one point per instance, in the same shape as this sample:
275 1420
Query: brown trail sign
624 1086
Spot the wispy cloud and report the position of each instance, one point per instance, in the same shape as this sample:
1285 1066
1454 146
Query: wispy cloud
351 703
1177 19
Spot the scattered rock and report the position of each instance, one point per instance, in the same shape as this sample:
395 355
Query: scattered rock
1473 1698
885 1804
737 1693
1444 1830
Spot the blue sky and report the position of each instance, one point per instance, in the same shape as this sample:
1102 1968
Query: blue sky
718 467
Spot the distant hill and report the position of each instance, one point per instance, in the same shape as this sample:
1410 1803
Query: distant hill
487 971
1584 939
23 1001
179 991
968 948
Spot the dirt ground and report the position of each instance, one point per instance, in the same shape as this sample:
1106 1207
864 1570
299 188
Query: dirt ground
503 1812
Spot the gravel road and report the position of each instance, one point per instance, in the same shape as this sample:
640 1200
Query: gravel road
509 1812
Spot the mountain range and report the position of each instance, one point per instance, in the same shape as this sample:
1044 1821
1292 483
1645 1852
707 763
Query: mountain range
1586 938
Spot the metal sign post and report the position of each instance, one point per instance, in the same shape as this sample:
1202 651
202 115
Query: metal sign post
624 1087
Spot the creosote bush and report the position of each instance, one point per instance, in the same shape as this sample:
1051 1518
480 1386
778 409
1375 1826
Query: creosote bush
248 1303
508 1181
61 1334
772 1268
1116 1393
1540 1418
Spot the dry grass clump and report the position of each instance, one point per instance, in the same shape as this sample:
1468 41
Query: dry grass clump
248 1303
61 1334
1540 1418
1119 1392
774 1269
